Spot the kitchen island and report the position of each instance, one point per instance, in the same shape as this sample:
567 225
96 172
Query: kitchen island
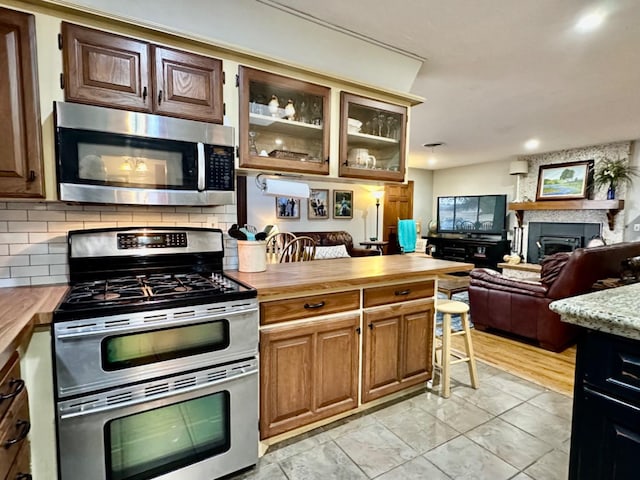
605 436
339 336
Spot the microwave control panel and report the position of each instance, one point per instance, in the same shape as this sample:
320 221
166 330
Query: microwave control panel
220 168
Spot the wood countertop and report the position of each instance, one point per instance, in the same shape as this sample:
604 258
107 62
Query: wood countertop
305 277
22 308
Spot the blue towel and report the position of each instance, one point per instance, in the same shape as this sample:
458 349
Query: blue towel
407 235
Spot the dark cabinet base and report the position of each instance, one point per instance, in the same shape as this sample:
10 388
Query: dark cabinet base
605 436
479 251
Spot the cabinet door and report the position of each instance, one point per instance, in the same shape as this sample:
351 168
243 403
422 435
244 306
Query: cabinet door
187 85
372 138
398 344
284 123
21 145
308 372
605 439
286 380
336 367
381 353
417 342
101 68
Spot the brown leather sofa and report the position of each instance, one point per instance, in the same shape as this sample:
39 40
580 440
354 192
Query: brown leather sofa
338 237
521 307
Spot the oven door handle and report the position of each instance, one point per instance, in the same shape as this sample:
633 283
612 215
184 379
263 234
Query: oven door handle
159 396
201 170
148 326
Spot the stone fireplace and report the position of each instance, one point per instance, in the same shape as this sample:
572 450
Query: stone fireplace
547 238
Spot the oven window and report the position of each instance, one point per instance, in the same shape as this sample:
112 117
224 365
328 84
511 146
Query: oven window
135 349
152 443
125 161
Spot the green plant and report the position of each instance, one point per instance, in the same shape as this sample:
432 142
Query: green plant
611 173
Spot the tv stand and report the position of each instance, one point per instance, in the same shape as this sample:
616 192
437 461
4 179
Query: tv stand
482 252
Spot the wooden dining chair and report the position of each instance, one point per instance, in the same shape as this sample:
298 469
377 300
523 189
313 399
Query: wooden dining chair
275 245
300 249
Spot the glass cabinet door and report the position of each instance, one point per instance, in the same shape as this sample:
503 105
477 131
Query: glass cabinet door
372 138
284 123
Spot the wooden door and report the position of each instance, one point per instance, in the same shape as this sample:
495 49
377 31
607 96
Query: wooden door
21 145
417 342
336 367
101 68
381 353
398 204
187 85
286 379
307 372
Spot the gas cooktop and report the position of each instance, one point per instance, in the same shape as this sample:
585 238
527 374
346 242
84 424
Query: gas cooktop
146 292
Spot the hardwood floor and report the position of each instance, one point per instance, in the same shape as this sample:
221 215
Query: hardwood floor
549 369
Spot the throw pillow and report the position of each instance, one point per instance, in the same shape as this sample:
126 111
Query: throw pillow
552 265
334 251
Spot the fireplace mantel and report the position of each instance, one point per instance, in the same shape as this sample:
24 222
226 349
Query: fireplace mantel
611 206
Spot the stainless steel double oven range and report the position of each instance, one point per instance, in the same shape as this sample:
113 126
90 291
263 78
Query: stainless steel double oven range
155 354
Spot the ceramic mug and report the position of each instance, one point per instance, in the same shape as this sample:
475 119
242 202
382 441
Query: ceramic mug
361 158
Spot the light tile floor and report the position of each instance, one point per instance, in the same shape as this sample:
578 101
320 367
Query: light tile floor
507 429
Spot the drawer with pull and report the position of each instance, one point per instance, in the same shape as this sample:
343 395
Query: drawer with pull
402 292
10 383
308 306
14 428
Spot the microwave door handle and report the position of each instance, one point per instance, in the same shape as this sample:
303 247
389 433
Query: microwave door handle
201 169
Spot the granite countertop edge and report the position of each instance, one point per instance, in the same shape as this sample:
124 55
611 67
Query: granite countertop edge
615 311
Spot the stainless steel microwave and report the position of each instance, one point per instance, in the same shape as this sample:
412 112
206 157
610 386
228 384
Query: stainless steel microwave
105 155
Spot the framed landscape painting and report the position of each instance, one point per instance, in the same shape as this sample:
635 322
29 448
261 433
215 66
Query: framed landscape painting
318 207
343 204
564 181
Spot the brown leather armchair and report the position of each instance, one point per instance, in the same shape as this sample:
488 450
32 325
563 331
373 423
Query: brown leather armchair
338 237
521 307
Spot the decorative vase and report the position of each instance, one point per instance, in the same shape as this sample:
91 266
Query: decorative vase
611 193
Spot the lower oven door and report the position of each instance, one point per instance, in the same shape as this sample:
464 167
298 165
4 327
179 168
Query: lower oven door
105 352
200 425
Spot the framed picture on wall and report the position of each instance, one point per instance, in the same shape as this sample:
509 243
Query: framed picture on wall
564 181
318 206
288 208
343 204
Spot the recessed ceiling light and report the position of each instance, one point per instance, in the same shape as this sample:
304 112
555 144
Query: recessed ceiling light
532 144
432 160
590 21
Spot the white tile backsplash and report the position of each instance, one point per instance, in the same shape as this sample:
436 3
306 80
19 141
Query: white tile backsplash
33 236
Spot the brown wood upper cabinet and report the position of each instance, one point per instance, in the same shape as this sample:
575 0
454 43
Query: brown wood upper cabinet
105 69
284 123
372 138
21 152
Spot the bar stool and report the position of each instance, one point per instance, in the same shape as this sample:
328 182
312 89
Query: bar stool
443 365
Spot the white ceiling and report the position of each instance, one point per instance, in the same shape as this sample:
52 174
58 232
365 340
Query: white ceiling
499 72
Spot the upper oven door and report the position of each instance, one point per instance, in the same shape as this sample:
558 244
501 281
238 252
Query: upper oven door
103 352
112 156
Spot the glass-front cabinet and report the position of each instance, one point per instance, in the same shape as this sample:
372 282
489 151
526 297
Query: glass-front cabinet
284 123
372 138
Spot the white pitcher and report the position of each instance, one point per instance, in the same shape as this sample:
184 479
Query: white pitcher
361 158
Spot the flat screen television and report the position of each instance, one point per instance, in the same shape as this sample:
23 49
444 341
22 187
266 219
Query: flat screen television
479 214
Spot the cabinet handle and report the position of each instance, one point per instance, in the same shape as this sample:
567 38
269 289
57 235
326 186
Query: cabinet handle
159 97
24 426
402 292
32 176
24 476
370 326
144 94
309 306
358 330
18 386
